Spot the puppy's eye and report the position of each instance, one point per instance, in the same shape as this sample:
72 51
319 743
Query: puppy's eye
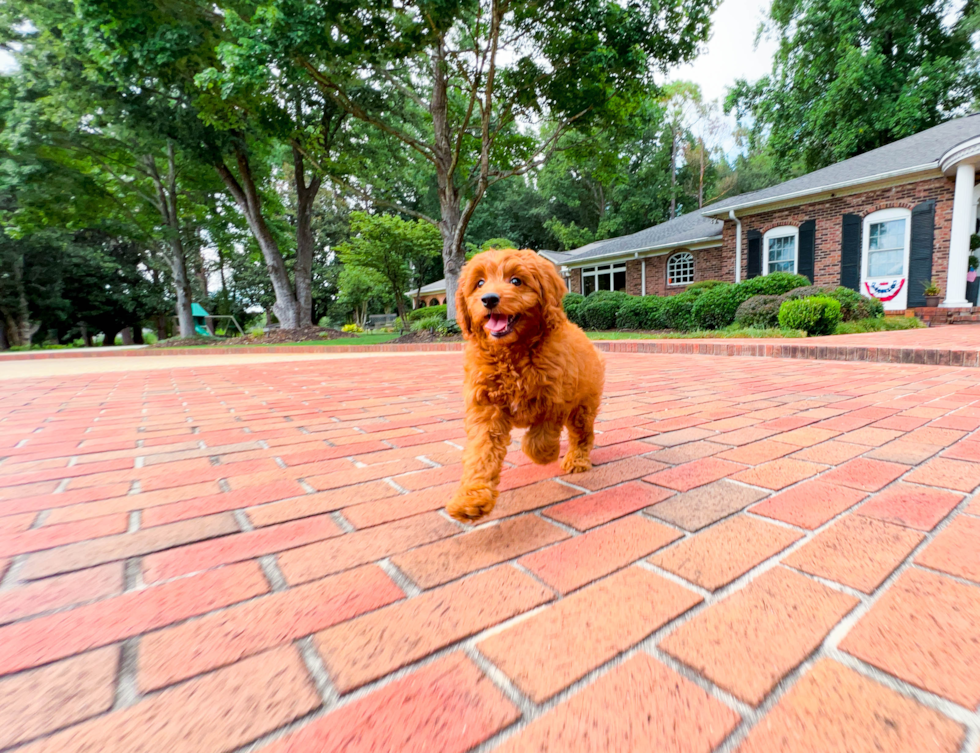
480 283
514 281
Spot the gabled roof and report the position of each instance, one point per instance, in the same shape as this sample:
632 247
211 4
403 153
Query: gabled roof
682 230
918 153
439 286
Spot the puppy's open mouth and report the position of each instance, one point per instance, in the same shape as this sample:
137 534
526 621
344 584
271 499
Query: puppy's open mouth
500 325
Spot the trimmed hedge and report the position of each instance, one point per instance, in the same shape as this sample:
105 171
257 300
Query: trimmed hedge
572 303
760 311
430 312
775 284
600 309
678 310
715 308
817 315
642 312
705 285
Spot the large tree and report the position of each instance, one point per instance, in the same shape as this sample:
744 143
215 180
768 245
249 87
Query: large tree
459 84
853 75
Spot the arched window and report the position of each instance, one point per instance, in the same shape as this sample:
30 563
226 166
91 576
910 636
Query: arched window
434 302
680 268
421 305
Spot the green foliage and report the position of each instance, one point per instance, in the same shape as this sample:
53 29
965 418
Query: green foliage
760 311
678 310
361 290
429 312
716 306
974 242
776 283
883 324
573 303
387 244
817 315
850 76
642 312
600 309
705 285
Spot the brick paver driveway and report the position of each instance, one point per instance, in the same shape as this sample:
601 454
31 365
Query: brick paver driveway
770 555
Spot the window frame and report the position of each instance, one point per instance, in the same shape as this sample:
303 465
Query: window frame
609 268
694 263
885 215
783 231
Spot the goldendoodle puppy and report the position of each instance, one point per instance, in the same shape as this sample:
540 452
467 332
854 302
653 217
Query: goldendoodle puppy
526 365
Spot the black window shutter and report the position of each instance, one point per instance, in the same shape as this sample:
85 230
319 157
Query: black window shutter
920 252
755 254
808 239
850 252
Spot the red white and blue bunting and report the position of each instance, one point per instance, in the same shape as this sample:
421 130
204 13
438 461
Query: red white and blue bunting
885 291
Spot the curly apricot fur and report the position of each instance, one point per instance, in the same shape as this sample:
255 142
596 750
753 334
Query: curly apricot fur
543 374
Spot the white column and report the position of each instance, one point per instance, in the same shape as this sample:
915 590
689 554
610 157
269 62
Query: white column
959 237
643 276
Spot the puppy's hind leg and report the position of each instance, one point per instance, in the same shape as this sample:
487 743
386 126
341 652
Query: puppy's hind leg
581 438
541 443
487 438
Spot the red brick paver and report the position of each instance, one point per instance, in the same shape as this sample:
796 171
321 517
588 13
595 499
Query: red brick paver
255 557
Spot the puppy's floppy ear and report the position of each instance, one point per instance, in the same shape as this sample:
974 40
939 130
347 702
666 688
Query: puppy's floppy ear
463 285
552 291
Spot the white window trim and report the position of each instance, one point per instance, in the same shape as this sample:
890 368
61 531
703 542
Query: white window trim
784 231
594 272
694 262
884 215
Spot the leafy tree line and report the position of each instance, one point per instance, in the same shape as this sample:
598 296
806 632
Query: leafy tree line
324 158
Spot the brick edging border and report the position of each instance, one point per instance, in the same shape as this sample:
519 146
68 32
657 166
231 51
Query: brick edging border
767 349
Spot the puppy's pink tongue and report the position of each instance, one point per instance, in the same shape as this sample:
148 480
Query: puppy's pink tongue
497 322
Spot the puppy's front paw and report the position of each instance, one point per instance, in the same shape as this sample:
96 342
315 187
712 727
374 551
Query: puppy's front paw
576 462
472 503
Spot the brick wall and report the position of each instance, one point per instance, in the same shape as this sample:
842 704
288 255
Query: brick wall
828 231
575 280
708 265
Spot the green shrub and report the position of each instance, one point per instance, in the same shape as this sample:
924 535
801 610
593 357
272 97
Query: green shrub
600 309
715 308
704 285
775 284
447 327
642 312
572 303
817 315
677 311
760 311
430 322
807 291
881 324
431 312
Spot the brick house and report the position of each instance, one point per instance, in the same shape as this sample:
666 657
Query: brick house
883 223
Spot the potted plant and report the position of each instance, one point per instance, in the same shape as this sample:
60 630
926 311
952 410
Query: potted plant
932 294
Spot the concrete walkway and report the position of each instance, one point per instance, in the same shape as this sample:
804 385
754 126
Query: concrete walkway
766 557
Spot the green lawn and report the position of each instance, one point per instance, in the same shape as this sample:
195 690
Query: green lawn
370 338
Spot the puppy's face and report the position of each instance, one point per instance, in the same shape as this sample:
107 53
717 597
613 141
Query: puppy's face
506 296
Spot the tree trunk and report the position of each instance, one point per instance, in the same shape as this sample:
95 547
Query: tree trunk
4 341
673 173
201 273
110 336
303 268
137 330
87 335
247 198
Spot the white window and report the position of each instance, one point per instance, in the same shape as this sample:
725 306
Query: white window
680 268
779 247
604 277
886 244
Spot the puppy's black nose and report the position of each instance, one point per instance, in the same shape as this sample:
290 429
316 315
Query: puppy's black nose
490 300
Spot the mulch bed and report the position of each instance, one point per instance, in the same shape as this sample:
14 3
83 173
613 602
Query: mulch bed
273 337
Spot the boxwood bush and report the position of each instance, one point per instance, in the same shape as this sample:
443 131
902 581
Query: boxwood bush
760 312
678 310
817 315
715 308
642 312
775 284
572 303
600 309
430 312
705 285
